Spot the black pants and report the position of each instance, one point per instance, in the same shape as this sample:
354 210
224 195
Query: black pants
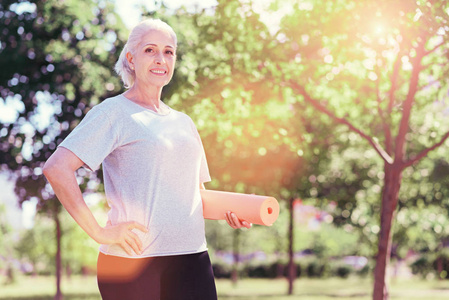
178 277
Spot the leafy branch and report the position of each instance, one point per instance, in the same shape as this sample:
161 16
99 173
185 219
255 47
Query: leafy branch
315 103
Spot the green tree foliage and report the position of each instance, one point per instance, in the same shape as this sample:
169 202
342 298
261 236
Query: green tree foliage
422 216
247 127
350 178
376 67
56 63
80 252
56 60
35 246
6 240
265 100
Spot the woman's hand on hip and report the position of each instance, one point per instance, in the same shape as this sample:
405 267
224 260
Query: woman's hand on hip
235 222
123 235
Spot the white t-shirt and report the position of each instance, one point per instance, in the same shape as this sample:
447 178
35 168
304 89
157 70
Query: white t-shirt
152 166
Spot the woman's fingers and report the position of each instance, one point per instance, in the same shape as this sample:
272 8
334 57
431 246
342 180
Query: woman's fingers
132 225
136 240
132 239
127 248
246 224
229 219
235 222
123 235
133 242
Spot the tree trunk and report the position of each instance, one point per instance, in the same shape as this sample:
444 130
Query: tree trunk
9 274
390 194
291 271
439 266
392 181
68 271
235 268
58 295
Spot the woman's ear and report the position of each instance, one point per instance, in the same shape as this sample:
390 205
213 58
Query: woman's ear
130 59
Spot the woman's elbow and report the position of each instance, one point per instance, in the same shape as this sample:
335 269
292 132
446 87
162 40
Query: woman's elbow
54 165
61 165
49 168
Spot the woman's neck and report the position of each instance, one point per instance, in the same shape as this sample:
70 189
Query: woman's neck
145 96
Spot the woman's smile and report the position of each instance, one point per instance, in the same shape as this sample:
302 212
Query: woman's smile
158 72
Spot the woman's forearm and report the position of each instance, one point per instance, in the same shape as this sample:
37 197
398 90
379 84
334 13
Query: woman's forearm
60 172
65 186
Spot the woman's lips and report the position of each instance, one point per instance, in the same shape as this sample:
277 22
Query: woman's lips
158 72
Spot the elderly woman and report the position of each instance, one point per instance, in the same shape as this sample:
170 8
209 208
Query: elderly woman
153 245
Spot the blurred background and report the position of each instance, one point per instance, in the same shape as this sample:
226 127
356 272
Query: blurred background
339 109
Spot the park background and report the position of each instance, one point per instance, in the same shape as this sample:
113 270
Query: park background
339 109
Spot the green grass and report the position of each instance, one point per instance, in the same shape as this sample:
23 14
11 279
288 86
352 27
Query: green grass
341 289
43 288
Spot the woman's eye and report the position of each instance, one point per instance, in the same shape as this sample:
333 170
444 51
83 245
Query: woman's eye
169 52
149 50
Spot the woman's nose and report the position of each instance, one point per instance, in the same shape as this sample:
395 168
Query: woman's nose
159 59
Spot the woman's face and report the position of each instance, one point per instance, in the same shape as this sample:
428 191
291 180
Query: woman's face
154 59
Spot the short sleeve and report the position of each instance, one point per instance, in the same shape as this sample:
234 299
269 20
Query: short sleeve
93 139
204 169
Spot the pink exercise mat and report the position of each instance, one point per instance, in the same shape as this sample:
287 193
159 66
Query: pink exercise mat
261 210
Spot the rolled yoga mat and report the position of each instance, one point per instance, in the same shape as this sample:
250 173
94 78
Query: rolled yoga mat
255 209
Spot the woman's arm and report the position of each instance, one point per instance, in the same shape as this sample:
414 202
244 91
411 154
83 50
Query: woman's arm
60 172
232 218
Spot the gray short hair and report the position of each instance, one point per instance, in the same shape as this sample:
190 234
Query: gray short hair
122 66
